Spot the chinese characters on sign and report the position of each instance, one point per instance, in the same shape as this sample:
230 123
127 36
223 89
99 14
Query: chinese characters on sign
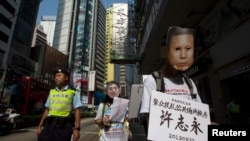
120 27
177 118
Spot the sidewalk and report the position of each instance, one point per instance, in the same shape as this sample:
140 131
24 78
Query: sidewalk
87 121
136 128
138 132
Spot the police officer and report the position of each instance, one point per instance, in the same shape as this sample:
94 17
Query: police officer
58 122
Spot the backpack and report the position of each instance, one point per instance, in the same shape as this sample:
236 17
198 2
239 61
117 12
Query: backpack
159 81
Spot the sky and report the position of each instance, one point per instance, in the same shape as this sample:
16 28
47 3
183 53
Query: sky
49 7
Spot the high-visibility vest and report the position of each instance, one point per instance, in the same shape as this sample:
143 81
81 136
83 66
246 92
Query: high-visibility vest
60 102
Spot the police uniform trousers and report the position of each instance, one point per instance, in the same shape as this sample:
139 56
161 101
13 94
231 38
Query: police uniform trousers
57 129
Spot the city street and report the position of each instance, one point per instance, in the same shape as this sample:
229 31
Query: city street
88 132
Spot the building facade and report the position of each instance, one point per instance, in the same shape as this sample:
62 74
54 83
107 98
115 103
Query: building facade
98 50
39 41
18 20
49 23
80 33
9 9
109 71
121 42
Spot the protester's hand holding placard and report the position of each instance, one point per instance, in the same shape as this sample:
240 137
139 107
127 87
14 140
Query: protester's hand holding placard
119 109
177 119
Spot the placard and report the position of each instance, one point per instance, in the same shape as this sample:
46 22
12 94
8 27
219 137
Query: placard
135 100
119 109
176 118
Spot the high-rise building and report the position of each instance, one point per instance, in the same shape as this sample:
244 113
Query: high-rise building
8 11
17 23
98 50
39 36
132 76
120 42
41 53
18 19
64 26
24 27
109 75
117 30
80 33
49 23
39 41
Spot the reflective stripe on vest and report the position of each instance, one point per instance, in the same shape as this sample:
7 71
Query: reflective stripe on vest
61 102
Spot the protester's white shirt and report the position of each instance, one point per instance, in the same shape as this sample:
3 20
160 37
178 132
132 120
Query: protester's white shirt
117 131
174 86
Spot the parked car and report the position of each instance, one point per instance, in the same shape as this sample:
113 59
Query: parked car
7 120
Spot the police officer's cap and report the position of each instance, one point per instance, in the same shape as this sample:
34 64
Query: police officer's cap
62 71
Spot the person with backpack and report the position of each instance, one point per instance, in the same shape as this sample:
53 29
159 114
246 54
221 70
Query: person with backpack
61 118
110 130
171 79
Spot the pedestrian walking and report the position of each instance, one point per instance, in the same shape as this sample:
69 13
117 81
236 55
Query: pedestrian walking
61 118
173 81
109 130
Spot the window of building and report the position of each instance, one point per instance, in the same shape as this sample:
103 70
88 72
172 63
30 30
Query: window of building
4 37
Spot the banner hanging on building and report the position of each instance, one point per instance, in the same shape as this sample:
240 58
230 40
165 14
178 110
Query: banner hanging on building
91 86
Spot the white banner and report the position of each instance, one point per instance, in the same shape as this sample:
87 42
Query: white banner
91 83
177 119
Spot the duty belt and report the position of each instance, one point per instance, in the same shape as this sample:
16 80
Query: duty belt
59 121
